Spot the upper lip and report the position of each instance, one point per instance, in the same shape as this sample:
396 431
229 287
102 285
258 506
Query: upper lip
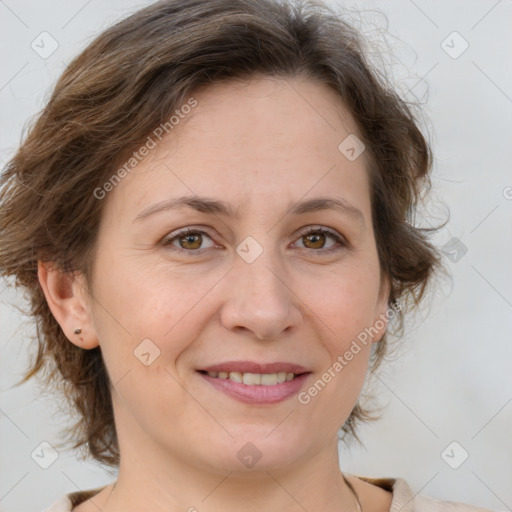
252 367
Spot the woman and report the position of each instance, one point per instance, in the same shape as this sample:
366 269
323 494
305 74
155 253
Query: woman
211 216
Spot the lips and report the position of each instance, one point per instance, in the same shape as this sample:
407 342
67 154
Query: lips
256 383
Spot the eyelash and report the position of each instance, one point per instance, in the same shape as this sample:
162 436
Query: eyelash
167 242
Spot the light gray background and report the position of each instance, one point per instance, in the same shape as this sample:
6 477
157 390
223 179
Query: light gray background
453 380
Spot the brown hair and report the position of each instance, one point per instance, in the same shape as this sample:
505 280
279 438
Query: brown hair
125 84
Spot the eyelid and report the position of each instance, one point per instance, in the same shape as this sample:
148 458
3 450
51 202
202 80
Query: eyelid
182 232
314 228
338 237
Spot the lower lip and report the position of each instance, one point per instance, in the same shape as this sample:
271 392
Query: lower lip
258 394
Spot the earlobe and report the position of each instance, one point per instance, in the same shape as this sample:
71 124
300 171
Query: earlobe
65 295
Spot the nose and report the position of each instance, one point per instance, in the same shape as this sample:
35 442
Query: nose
261 301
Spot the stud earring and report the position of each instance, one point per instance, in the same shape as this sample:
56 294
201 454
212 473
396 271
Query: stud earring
78 330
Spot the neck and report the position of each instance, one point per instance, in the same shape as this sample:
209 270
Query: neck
150 479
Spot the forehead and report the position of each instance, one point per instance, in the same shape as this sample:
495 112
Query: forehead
279 111
263 141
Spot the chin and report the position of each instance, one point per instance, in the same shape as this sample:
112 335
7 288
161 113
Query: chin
257 448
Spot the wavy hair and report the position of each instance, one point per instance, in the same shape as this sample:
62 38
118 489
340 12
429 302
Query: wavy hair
126 83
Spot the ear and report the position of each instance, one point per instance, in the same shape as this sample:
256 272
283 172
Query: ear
67 299
381 319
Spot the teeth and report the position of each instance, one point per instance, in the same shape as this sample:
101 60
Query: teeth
251 379
255 379
269 379
235 376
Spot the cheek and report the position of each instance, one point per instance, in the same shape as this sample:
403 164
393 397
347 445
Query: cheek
344 300
137 311
345 312
345 306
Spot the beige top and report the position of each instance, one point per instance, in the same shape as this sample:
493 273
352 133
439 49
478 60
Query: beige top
404 499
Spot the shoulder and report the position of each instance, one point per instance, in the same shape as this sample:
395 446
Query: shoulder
67 502
427 504
61 505
404 499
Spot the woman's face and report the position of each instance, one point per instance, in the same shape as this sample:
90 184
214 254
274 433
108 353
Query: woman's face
247 284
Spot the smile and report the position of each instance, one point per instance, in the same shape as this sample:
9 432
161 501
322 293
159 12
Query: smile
252 379
256 388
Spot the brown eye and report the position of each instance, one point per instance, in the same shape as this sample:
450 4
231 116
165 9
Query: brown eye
317 238
189 240
192 241
314 241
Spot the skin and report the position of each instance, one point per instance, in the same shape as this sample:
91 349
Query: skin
257 145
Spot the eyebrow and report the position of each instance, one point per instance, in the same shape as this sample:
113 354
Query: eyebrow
213 207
